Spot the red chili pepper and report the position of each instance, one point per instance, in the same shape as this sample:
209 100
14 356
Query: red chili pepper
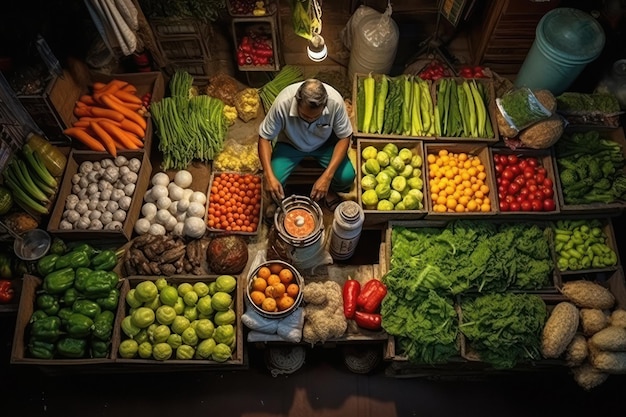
264 53
370 321
371 295
6 291
351 290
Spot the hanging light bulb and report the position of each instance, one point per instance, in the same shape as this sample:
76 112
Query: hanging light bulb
316 49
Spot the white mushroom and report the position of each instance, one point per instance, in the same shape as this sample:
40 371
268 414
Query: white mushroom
96 224
119 184
148 197
163 216
92 188
71 216
104 185
129 189
195 210
198 197
105 195
95 214
178 229
142 226
82 194
106 218
160 178
97 165
117 194
121 160
183 205
119 215
81 207
183 178
112 206
70 201
113 226
175 192
93 176
171 223
76 178
134 165
156 229
85 167
102 205
124 170
111 174
163 203
65 225
149 210
76 189
130 178
173 208
83 182
105 163
124 202
83 223
93 204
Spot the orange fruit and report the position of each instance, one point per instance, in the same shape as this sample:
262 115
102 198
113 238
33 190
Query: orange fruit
275 268
285 275
269 304
279 290
293 290
264 272
257 297
259 284
285 303
273 279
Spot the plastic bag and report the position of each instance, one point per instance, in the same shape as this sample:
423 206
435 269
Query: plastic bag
346 33
520 108
224 87
300 18
247 102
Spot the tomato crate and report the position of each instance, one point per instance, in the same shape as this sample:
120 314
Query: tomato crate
608 233
481 201
256 38
616 207
19 350
541 169
252 210
237 348
374 216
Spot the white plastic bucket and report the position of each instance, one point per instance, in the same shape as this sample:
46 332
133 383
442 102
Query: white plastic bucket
346 230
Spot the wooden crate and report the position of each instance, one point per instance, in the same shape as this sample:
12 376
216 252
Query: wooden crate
237 357
258 26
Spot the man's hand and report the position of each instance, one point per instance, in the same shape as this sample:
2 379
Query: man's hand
274 187
320 188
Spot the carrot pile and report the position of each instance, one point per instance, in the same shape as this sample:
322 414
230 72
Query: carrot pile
109 119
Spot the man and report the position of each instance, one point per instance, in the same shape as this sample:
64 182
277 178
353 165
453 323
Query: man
307 119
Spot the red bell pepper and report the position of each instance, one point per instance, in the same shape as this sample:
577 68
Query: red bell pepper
371 295
6 291
351 290
370 321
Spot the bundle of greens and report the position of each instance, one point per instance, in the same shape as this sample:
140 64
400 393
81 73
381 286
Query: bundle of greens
504 329
591 168
288 75
597 109
470 255
425 327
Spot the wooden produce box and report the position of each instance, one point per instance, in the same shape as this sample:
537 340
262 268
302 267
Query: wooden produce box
616 135
479 150
73 162
545 159
490 107
388 248
237 357
358 78
373 216
257 27
19 354
611 242
253 198
52 110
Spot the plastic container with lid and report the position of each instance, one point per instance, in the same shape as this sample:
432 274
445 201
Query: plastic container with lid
346 230
566 41
52 157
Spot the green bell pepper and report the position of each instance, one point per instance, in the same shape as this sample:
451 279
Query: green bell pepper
41 350
47 329
58 247
84 247
99 283
71 347
37 315
65 314
47 264
81 278
74 259
104 261
59 281
70 296
110 301
48 303
86 307
78 325
99 348
103 325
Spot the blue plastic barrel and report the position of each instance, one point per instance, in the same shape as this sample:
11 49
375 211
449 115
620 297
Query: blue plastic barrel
566 40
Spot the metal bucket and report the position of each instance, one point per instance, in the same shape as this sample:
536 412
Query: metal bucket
300 227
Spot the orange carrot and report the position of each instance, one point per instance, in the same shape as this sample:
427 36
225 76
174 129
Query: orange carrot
107 113
87 99
110 88
127 97
81 111
98 86
84 121
85 138
114 104
129 88
120 135
132 127
104 137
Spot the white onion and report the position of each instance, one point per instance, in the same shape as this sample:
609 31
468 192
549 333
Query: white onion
183 178
198 197
160 178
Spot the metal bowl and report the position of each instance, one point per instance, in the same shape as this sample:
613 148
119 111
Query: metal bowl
33 245
281 313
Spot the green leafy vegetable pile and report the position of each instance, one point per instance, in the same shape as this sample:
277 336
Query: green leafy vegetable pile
504 329
591 168
425 324
470 255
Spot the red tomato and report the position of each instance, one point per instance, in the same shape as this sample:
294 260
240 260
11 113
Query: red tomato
504 206
507 174
532 162
542 171
549 204
540 178
539 195
523 164
547 192
523 191
505 182
514 187
520 180
537 205
514 206
526 205
529 173
509 199
512 159
516 169
547 182
503 189
499 168
532 188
